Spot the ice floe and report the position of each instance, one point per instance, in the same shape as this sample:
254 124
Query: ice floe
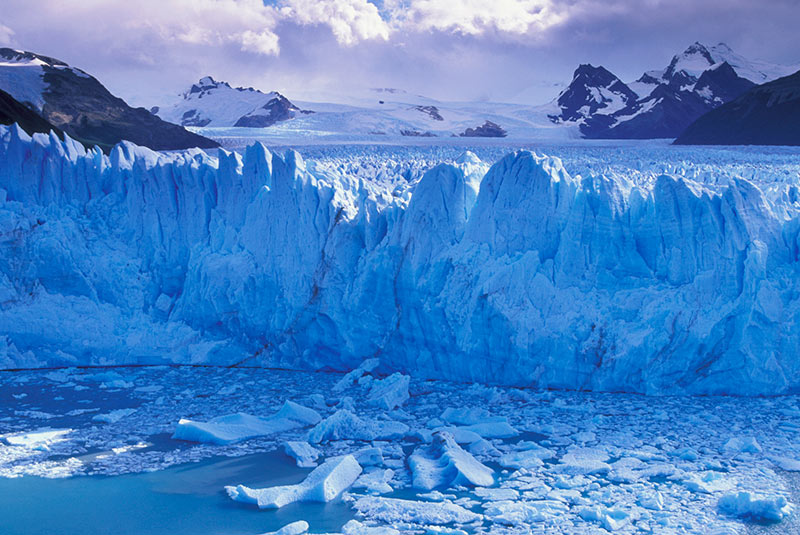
325 483
443 463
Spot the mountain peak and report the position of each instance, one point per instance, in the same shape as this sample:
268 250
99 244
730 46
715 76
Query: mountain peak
589 74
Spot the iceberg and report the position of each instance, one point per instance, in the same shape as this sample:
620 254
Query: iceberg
323 484
389 393
304 454
344 425
233 428
755 506
681 281
444 463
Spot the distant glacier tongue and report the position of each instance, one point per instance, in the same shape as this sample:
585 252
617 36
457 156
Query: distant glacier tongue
519 275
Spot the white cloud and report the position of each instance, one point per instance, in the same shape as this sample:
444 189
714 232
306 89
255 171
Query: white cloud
5 35
474 17
350 20
264 42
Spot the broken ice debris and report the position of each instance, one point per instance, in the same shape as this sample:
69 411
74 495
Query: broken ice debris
444 463
323 484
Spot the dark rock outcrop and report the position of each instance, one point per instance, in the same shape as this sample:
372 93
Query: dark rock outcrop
487 129
768 114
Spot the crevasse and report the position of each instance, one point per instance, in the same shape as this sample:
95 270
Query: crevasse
519 275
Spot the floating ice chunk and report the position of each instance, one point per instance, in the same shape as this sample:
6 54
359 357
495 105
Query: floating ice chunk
59 376
237 427
304 454
483 448
350 378
323 484
738 445
396 511
295 528
116 384
346 403
113 416
522 513
231 428
365 381
527 459
462 435
103 377
686 454
354 527
444 464
528 455
296 412
652 500
707 482
479 421
610 518
369 456
495 495
492 429
318 400
470 416
390 392
40 439
755 506
343 424
583 461
376 481
786 463
627 470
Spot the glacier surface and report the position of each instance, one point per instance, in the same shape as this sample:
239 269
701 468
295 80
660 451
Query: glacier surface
615 277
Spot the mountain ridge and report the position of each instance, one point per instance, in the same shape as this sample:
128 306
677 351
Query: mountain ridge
77 103
767 114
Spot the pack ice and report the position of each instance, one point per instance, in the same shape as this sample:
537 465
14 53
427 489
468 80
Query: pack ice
520 275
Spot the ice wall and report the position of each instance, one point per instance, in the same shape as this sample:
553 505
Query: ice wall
519 275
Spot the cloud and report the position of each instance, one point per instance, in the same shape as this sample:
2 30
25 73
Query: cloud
350 21
264 42
148 51
474 17
6 35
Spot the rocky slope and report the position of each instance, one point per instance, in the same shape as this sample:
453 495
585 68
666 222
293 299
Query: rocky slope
768 114
81 106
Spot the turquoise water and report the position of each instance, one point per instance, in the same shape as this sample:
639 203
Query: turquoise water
183 499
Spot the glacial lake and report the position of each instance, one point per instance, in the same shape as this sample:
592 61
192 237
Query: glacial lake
181 500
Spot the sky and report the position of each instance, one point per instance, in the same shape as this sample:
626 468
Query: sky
149 51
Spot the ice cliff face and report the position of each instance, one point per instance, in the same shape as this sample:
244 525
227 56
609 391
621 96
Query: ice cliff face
519 274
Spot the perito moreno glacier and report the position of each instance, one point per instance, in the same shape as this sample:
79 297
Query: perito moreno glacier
514 273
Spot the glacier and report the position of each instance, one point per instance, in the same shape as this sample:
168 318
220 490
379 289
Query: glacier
517 273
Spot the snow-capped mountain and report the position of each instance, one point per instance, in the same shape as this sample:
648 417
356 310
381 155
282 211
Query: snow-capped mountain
215 104
768 114
78 104
381 114
594 90
661 103
211 107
